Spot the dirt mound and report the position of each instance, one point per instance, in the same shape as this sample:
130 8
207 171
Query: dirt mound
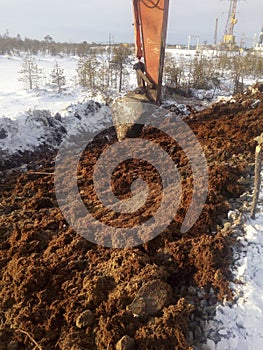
59 291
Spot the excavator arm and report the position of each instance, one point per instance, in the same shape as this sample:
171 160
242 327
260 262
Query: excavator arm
150 28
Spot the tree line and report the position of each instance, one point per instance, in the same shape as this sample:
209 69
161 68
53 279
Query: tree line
17 45
203 72
105 68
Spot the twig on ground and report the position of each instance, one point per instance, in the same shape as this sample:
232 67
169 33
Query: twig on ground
30 337
39 173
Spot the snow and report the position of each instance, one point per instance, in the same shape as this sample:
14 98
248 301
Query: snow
14 99
33 129
240 324
27 118
191 53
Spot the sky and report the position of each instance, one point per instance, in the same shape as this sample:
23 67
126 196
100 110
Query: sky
93 20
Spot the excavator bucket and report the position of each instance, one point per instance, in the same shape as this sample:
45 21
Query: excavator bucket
150 28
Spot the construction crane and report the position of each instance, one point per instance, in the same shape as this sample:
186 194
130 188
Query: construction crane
150 29
229 38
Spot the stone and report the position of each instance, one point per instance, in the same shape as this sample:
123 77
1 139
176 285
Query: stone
223 332
3 134
85 319
152 297
255 103
211 344
125 343
197 332
203 303
191 336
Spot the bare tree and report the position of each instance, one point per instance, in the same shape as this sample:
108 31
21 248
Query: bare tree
30 72
173 71
87 70
121 57
49 43
58 78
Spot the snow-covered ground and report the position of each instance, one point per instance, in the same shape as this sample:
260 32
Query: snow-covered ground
190 53
27 116
240 324
14 99
39 127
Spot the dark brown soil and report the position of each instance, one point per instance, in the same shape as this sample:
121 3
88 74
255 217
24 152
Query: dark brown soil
50 275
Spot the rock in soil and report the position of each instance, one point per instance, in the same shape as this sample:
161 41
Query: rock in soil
85 319
125 343
151 299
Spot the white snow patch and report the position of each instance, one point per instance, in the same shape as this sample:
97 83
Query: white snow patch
14 99
240 325
33 129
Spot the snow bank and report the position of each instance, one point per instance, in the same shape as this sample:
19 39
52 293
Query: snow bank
240 324
36 129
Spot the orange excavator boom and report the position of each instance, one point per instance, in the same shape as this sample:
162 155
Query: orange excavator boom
150 28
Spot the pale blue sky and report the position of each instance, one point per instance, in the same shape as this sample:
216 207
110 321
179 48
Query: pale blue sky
93 20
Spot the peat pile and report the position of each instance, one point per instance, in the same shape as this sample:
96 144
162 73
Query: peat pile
59 291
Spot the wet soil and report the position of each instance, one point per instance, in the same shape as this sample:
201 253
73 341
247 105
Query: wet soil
60 291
